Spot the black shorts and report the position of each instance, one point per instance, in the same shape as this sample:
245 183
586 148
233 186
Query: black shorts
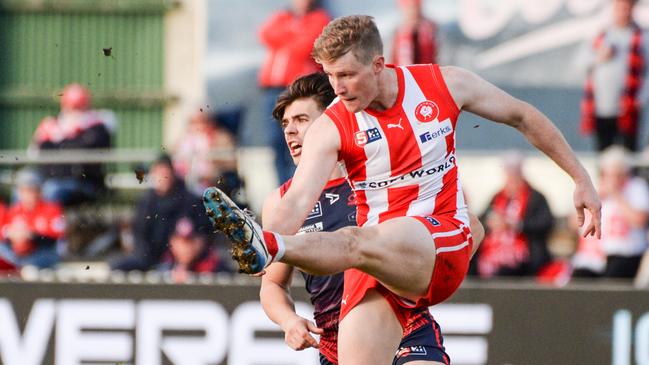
423 344
325 361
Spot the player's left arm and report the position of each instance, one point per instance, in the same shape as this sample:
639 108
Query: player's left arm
476 95
275 295
318 159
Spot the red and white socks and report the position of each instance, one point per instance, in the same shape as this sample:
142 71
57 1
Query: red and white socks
275 245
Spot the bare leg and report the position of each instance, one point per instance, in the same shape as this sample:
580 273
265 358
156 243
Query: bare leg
370 333
382 251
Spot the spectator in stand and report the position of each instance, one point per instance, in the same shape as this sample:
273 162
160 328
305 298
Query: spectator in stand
518 221
415 40
288 37
192 155
625 211
76 127
616 62
32 227
190 252
156 215
589 259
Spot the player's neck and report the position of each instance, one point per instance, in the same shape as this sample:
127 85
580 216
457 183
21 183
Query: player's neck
388 91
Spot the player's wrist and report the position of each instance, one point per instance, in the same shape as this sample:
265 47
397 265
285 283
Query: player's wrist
288 321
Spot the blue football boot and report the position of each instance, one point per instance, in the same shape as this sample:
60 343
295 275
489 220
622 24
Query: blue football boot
248 247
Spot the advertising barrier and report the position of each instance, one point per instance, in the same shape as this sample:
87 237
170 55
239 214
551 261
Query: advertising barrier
155 324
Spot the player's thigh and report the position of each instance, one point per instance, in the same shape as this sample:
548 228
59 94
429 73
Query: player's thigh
390 247
370 333
477 232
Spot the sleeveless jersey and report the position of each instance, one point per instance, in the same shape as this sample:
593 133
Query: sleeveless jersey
334 209
401 161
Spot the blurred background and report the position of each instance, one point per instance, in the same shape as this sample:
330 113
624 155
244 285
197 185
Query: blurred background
115 115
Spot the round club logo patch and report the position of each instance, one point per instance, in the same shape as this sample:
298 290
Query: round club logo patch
426 111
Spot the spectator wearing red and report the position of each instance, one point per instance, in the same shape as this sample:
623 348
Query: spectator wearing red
288 36
190 252
518 221
76 127
415 40
32 226
616 62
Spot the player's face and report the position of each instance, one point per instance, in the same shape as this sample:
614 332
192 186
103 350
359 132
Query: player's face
355 83
298 117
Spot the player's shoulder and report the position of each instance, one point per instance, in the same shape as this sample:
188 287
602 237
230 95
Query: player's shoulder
335 112
455 73
461 83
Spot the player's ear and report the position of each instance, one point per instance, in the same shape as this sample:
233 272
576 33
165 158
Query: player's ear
378 64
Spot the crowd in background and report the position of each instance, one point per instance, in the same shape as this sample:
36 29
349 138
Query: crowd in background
168 230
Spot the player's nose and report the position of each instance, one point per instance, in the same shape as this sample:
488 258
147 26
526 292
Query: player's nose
339 87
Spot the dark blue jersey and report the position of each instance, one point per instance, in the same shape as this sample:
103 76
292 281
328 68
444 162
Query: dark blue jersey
334 209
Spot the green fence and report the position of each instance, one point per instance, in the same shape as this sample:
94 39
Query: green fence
114 47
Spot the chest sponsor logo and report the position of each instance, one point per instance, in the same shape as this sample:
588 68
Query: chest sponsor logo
315 212
426 111
442 131
333 198
361 138
423 172
315 227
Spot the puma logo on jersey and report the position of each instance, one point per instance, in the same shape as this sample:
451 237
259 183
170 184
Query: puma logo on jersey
396 125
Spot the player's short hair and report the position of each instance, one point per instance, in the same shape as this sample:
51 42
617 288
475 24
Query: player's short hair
315 86
355 33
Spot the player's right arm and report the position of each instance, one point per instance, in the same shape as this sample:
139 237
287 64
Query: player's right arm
275 295
319 157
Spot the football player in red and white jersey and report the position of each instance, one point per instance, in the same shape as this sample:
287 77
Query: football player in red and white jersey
394 128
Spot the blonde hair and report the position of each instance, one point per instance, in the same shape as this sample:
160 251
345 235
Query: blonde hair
355 33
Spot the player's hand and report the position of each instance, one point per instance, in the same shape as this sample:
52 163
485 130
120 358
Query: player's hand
586 198
297 333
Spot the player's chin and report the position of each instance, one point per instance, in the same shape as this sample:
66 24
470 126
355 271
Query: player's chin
352 105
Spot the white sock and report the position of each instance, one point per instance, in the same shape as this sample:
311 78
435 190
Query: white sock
281 247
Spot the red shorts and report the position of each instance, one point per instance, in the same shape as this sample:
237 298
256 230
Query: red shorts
453 244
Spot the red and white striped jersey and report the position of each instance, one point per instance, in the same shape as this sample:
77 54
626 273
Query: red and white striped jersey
401 161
